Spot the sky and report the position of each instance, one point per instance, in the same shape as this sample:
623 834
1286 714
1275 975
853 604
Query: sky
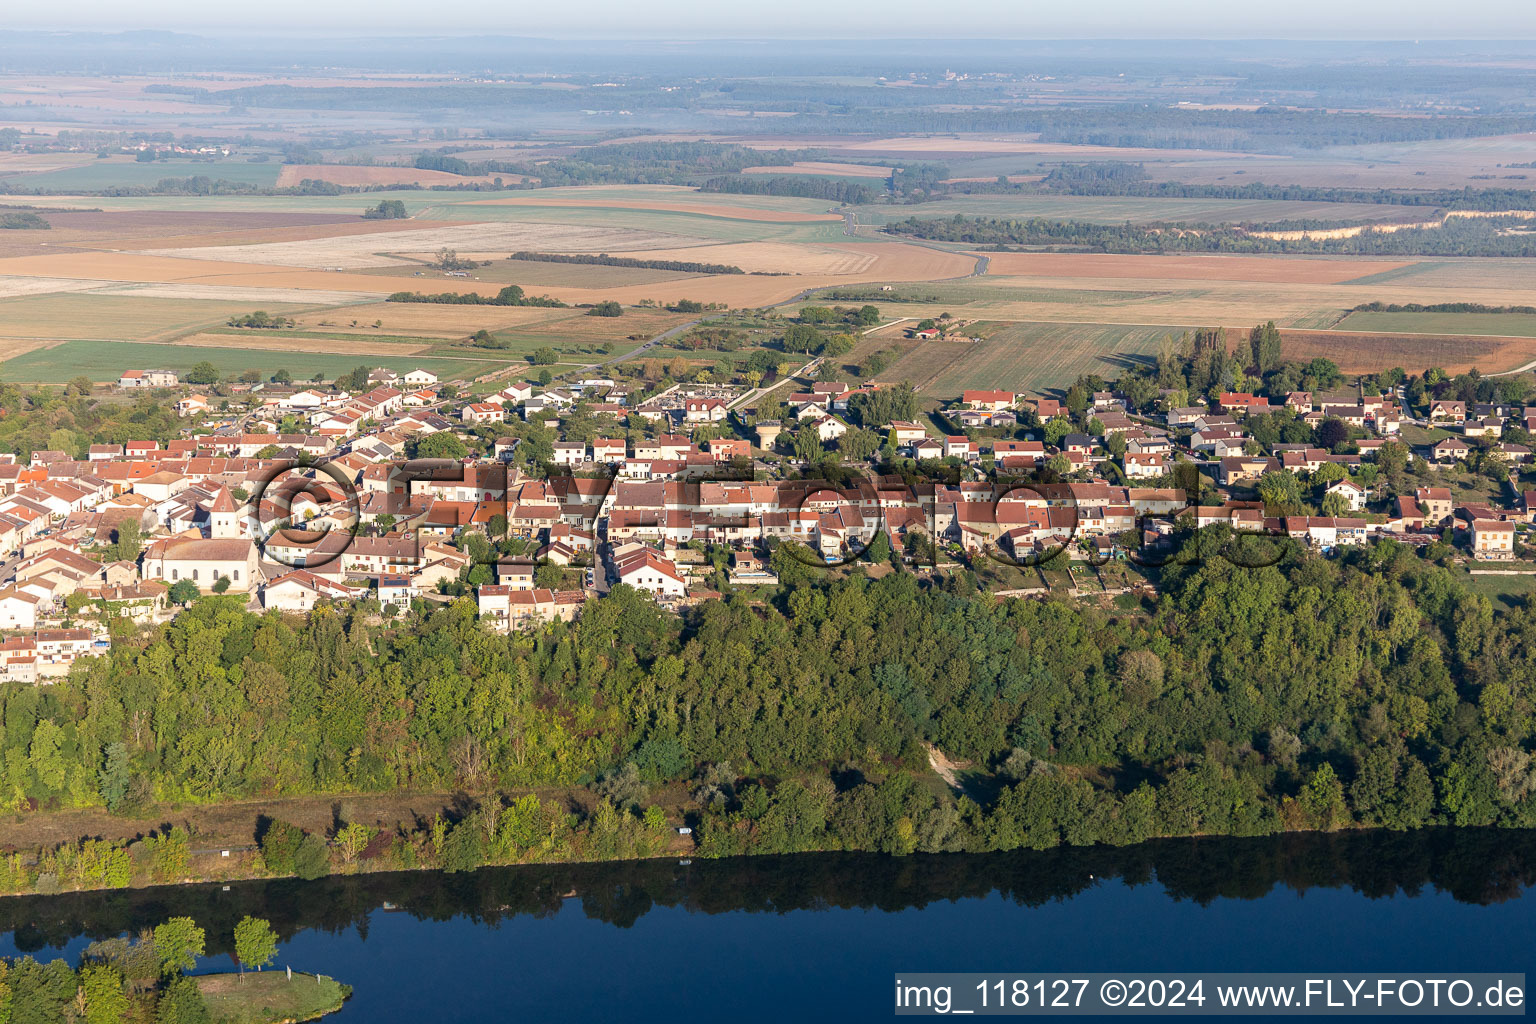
971 19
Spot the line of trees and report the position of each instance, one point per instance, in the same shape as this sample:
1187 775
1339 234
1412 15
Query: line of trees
511 295
1371 688
1115 178
1438 307
837 190
1490 236
605 260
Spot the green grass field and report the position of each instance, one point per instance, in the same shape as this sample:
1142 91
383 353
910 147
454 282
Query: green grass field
71 315
105 360
1027 357
266 997
1506 591
107 173
1509 325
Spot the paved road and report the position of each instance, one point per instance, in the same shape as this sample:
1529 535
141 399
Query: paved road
808 372
663 336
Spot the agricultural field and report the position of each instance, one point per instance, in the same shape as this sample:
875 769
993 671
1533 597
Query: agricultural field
1503 325
823 168
346 174
1189 267
105 360
124 170
75 315
1026 356
534 274
1365 353
1121 209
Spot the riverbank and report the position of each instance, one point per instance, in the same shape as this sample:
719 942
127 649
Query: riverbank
831 929
271 997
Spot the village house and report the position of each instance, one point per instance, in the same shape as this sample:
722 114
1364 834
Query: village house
300 591
483 412
1447 412
147 379
1435 503
649 571
1492 539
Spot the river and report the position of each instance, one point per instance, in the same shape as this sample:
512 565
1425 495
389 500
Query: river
819 936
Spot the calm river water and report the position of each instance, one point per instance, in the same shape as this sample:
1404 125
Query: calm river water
818 937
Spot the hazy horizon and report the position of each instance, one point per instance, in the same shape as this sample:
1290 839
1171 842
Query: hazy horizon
1127 20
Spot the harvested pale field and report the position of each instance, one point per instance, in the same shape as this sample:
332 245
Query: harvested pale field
342 226
431 320
1174 301
112 317
771 257
235 293
1467 273
350 175
1186 267
877 261
14 287
1367 353
280 341
532 275
12 347
30 163
825 167
692 209
346 174
103 268
137 229
356 252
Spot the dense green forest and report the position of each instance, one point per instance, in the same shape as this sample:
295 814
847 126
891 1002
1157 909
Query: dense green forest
1368 689
23 221
1483 236
1123 179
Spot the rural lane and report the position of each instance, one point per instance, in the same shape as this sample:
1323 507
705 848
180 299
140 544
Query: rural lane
663 336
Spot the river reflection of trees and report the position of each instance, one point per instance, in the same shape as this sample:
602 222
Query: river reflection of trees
1472 865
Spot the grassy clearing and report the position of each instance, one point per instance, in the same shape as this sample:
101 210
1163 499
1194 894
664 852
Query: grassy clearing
1504 325
1026 356
266 997
130 318
1508 591
105 360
